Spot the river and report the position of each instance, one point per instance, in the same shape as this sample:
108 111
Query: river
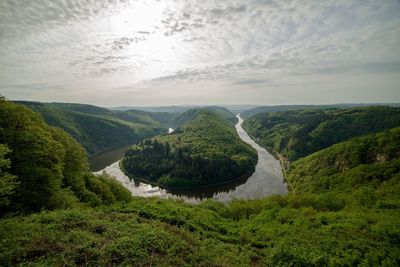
104 159
266 180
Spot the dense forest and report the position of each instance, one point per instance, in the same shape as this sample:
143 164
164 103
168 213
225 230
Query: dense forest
298 133
44 167
98 129
363 164
206 150
280 108
181 118
342 209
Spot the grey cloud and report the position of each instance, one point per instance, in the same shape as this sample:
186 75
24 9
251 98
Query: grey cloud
29 17
194 39
228 10
197 25
371 67
124 42
251 81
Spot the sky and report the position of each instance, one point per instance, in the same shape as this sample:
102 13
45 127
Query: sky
173 52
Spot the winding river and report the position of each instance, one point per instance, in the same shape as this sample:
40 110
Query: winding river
266 180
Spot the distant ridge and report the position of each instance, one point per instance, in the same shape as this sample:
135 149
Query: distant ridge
264 109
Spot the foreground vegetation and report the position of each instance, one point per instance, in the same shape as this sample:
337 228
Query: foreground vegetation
298 133
206 150
305 230
342 209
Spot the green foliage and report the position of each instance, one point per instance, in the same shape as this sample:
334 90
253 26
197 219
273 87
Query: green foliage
299 133
366 161
276 231
75 164
279 108
206 150
42 166
182 118
36 158
107 189
8 182
98 129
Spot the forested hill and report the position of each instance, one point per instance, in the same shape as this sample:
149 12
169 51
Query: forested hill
44 167
298 133
179 119
205 150
369 165
266 109
98 129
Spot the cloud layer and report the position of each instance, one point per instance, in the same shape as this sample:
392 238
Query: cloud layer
187 51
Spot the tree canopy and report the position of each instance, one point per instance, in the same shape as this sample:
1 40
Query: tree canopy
98 129
206 150
41 166
299 133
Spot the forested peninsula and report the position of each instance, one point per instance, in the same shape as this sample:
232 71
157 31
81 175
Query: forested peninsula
206 150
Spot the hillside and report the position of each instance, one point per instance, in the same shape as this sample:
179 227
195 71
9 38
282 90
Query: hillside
168 109
266 109
205 150
277 231
44 167
98 129
295 134
368 162
179 119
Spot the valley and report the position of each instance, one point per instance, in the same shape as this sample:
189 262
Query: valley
341 205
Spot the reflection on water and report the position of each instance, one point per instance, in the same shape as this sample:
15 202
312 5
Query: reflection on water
266 180
102 160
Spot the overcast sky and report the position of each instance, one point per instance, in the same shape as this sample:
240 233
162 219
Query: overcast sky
165 52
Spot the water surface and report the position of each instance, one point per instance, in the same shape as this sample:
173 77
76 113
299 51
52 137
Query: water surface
104 159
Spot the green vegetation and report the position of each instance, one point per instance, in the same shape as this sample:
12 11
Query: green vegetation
364 164
98 129
206 150
343 207
182 118
8 182
267 109
294 230
295 134
43 167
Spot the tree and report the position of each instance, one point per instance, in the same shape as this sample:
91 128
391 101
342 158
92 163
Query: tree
75 164
36 158
8 182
